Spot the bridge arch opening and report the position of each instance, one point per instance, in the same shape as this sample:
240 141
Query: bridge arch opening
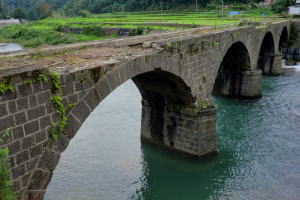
161 93
230 75
266 54
283 41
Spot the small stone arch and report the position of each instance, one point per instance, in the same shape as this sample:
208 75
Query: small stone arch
265 60
283 41
229 79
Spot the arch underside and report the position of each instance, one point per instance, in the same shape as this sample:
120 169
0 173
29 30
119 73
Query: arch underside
231 79
266 54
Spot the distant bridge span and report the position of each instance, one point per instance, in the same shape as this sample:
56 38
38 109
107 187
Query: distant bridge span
177 74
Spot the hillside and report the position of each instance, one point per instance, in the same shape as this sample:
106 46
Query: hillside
72 7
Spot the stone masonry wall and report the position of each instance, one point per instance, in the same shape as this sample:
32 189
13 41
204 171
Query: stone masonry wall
185 130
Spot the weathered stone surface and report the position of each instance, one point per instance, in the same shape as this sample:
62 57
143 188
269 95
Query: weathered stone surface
36 112
72 126
49 160
31 127
6 122
20 118
81 111
39 180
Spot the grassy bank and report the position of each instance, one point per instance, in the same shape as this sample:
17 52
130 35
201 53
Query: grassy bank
45 32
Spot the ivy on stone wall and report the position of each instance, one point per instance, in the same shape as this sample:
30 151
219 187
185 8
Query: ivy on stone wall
6 86
57 127
6 192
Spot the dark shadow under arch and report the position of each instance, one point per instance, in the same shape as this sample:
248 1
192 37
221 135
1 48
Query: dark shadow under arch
160 89
266 54
230 77
283 41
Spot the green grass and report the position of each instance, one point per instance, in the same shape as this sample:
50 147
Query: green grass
44 32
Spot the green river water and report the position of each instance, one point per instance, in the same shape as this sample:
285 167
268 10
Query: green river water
258 158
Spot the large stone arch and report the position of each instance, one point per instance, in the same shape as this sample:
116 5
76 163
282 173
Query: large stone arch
169 117
267 51
235 75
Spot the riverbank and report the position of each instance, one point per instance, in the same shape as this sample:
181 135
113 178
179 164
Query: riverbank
49 32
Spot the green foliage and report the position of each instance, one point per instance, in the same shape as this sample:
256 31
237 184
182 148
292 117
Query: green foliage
6 134
84 13
175 106
293 35
43 10
92 30
5 183
41 77
55 78
137 31
279 6
58 128
202 104
6 86
19 13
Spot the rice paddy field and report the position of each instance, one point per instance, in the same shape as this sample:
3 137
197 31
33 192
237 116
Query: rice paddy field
46 32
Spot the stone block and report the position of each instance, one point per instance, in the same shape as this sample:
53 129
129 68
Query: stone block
32 101
92 99
20 118
14 148
27 142
49 160
31 127
22 104
6 123
44 97
39 180
18 132
81 111
36 150
3 110
12 106
36 112
24 90
22 157
72 126
45 122
41 136
18 171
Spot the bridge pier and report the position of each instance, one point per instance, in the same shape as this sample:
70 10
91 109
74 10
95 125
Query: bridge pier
251 85
242 85
190 131
277 66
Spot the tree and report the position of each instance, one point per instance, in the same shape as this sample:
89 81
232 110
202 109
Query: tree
44 10
18 13
281 5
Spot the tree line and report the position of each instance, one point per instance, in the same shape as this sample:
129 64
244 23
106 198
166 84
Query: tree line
38 9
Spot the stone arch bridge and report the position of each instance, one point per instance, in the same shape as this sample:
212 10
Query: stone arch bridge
177 73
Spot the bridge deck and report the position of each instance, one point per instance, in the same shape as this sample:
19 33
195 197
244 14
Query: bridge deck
72 57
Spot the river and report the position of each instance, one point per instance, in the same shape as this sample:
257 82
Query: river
259 152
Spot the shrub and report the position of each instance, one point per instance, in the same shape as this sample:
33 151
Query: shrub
92 30
281 5
137 31
5 184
